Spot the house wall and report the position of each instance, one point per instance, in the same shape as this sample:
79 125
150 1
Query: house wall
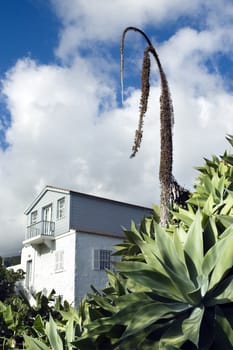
86 215
51 197
100 215
85 275
44 276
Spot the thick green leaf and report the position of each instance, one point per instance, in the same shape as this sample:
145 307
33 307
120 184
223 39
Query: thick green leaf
2 307
230 139
226 220
104 303
8 315
69 333
35 344
207 329
221 186
174 266
226 296
208 184
225 325
185 216
219 259
228 159
147 314
38 324
174 335
150 279
169 256
194 248
151 253
228 206
209 204
52 333
191 325
210 234
179 238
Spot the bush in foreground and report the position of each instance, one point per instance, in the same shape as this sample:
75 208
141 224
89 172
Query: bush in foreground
174 286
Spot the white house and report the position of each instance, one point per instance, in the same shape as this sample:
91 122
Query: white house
70 238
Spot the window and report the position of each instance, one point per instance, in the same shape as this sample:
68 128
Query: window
61 208
47 213
34 217
102 259
47 219
59 260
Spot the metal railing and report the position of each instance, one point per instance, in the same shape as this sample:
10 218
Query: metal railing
41 228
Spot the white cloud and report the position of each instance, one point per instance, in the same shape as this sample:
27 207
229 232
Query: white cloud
68 131
88 21
59 136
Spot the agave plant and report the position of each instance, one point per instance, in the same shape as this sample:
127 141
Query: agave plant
174 287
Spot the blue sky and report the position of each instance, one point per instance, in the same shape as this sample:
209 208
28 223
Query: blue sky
61 120
27 28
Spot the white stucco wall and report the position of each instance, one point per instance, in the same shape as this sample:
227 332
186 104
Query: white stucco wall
85 275
44 276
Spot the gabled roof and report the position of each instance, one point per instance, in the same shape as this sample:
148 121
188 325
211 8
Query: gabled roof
66 191
47 188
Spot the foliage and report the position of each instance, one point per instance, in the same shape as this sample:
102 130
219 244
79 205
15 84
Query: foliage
57 334
12 306
174 287
17 317
8 279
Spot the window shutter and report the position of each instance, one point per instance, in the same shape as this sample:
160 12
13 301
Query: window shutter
96 259
59 260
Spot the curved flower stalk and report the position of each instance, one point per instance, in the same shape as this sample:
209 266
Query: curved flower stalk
166 121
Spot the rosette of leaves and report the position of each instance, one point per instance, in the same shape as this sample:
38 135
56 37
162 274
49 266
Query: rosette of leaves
180 297
213 193
174 286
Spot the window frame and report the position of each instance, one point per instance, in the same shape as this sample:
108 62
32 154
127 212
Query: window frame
60 209
34 220
102 259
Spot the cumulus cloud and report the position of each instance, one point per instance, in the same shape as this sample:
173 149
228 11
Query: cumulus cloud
68 130
85 22
60 136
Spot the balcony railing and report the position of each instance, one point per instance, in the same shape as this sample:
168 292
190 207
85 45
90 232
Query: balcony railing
41 228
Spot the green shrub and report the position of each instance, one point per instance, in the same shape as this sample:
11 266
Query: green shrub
174 287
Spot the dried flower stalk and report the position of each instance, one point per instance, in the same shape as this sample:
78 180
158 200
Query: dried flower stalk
166 122
145 89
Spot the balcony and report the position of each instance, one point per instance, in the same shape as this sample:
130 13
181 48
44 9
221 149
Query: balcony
41 232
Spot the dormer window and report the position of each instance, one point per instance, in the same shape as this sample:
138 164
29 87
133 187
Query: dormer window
61 208
34 215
